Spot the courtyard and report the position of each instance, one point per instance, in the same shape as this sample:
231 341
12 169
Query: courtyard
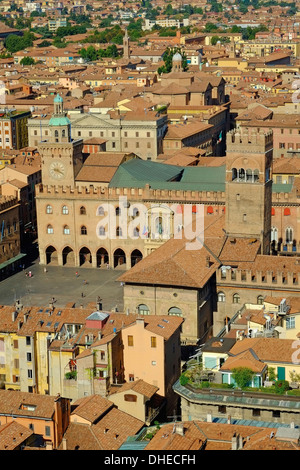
64 285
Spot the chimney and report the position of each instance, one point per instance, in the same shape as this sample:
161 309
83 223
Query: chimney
235 442
179 429
64 443
209 418
49 445
208 261
228 419
14 315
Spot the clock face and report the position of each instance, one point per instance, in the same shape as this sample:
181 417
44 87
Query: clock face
57 170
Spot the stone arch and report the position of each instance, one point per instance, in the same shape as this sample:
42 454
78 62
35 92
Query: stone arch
135 256
68 256
51 255
119 258
102 257
85 256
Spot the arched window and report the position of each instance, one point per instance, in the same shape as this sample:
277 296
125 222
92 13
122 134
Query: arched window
119 232
65 210
143 309
56 133
260 300
66 230
256 175
102 231
159 225
100 211
234 174
82 210
136 232
49 209
175 311
83 230
236 299
50 229
63 133
118 211
249 174
289 235
241 175
274 234
136 212
221 297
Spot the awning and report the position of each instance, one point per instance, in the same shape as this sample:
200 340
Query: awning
210 210
273 211
287 211
12 260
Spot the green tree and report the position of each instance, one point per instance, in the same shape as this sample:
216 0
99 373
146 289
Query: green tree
16 43
27 61
242 376
168 58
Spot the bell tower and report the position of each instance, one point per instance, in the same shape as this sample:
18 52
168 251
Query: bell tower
62 156
126 51
249 185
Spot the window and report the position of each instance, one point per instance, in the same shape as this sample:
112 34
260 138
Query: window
29 358
47 431
66 230
29 373
153 341
130 397
260 300
236 299
102 231
83 230
175 311
274 234
119 232
50 229
130 340
82 210
221 297
290 323
137 145
49 209
100 211
28 340
118 211
289 235
143 309
65 210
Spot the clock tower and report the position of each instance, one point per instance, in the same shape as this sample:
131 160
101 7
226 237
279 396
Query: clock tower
61 156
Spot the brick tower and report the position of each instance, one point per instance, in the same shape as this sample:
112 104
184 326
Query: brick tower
62 156
249 185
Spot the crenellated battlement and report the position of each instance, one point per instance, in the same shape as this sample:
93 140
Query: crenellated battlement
249 141
7 201
138 194
270 278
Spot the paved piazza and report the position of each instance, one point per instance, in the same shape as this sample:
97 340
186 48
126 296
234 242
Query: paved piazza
64 285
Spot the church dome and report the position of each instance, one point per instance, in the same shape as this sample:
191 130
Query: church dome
58 99
177 57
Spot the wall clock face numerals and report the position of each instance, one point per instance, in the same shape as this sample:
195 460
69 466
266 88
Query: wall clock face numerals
57 170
